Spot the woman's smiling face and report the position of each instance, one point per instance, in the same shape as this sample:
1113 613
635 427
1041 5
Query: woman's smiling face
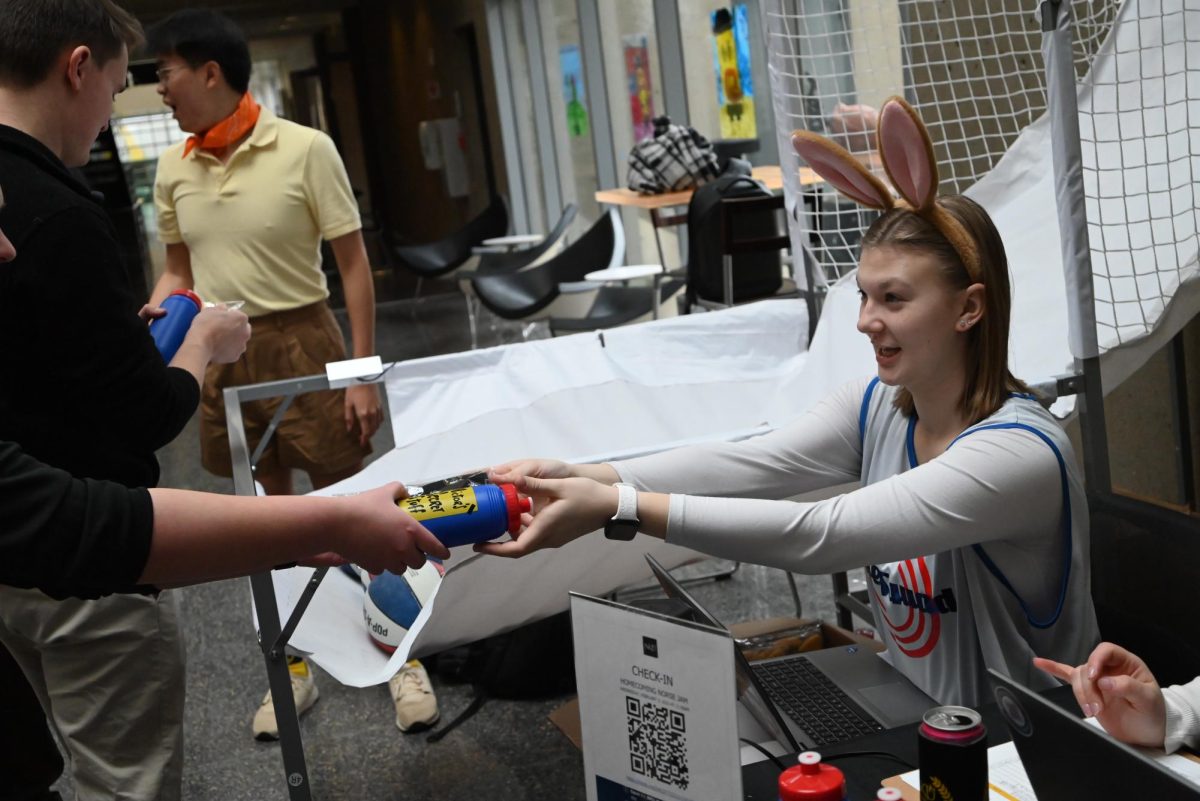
912 316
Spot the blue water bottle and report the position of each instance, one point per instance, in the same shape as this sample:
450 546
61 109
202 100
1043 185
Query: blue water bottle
477 513
168 332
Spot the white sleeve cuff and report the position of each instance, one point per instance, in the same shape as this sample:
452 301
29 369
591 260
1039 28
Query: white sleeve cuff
1183 717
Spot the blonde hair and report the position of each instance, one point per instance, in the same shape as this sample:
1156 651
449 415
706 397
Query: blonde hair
988 378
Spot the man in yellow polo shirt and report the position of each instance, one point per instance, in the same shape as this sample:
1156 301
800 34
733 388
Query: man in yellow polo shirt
242 207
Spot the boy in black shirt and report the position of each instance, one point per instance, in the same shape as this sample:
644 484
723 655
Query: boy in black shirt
87 391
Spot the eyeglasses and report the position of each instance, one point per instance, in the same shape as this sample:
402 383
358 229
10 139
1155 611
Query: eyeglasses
162 73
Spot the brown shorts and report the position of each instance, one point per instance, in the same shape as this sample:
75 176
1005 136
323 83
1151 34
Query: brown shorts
312 435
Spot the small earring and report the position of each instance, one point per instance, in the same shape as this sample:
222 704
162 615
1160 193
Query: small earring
963 324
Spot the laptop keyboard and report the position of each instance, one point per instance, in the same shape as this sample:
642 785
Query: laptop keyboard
811 699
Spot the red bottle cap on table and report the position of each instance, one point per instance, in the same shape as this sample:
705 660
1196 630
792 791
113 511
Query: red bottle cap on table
812 781
516 506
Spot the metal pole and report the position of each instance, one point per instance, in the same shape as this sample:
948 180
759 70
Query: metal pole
597 89
263 589
670 56
1180 412
1062 103
509 136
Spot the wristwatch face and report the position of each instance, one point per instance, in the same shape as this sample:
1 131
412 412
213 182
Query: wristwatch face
620 529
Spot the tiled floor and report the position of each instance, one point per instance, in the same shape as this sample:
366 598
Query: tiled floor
509 751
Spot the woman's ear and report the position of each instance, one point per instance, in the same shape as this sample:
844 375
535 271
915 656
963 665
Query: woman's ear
974 306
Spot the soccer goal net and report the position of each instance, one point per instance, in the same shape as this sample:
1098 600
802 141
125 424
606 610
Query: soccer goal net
974 70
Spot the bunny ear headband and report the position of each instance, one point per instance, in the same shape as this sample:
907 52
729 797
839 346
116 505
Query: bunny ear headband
907 155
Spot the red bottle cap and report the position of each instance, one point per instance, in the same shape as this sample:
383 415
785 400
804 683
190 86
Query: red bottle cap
190 295
516 506
812 781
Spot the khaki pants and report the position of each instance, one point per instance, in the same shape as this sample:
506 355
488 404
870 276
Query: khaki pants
110 675
312 434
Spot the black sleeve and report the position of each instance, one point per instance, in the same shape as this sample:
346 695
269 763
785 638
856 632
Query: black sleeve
69 536
83 324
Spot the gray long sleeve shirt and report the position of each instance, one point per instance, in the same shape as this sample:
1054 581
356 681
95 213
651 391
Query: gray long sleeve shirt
977 559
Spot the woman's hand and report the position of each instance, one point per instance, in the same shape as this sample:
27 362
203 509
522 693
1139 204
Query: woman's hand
564 509
1116 688
510 472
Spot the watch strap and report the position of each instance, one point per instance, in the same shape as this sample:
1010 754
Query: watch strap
626 502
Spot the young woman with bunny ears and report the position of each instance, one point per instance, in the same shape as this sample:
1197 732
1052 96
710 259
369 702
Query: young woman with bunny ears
971 519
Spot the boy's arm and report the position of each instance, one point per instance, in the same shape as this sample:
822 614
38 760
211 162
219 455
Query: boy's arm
177 274
362 401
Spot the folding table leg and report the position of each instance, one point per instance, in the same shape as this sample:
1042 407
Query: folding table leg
279 678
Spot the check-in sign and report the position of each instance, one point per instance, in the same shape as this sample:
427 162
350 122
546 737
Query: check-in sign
657 705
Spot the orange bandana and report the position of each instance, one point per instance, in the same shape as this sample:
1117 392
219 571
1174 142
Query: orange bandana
228 130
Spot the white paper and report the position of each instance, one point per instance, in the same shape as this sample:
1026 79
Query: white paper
479 596
1187 768
657 705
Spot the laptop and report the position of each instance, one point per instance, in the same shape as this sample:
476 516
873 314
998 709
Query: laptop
816 698
1067 758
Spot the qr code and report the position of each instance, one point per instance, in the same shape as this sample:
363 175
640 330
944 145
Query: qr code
657 742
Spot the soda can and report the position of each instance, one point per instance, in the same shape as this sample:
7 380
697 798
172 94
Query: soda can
952 755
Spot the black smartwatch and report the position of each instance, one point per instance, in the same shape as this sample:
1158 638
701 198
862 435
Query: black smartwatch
624 524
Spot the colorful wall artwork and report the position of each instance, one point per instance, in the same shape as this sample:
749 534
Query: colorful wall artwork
735 84
574 94
637 73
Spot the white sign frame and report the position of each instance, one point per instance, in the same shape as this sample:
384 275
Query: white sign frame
670 684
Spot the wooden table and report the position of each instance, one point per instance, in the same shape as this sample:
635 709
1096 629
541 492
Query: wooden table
771 176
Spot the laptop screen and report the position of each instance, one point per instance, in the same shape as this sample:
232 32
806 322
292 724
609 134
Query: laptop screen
1067 758
750 691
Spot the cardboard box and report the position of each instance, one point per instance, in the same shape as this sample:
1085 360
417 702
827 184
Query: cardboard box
566 717
830 635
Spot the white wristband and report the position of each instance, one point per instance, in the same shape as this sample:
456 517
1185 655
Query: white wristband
627 502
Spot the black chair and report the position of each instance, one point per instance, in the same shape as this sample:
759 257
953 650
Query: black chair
434 259
1144 560
509 262
512 261
530 293
618 305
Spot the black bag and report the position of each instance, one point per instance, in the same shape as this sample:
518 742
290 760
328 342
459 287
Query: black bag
755 275
536 660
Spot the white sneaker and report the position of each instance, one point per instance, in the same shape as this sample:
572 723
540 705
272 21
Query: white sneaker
416 705
304 694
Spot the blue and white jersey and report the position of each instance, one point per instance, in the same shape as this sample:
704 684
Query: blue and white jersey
946 617
977 559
